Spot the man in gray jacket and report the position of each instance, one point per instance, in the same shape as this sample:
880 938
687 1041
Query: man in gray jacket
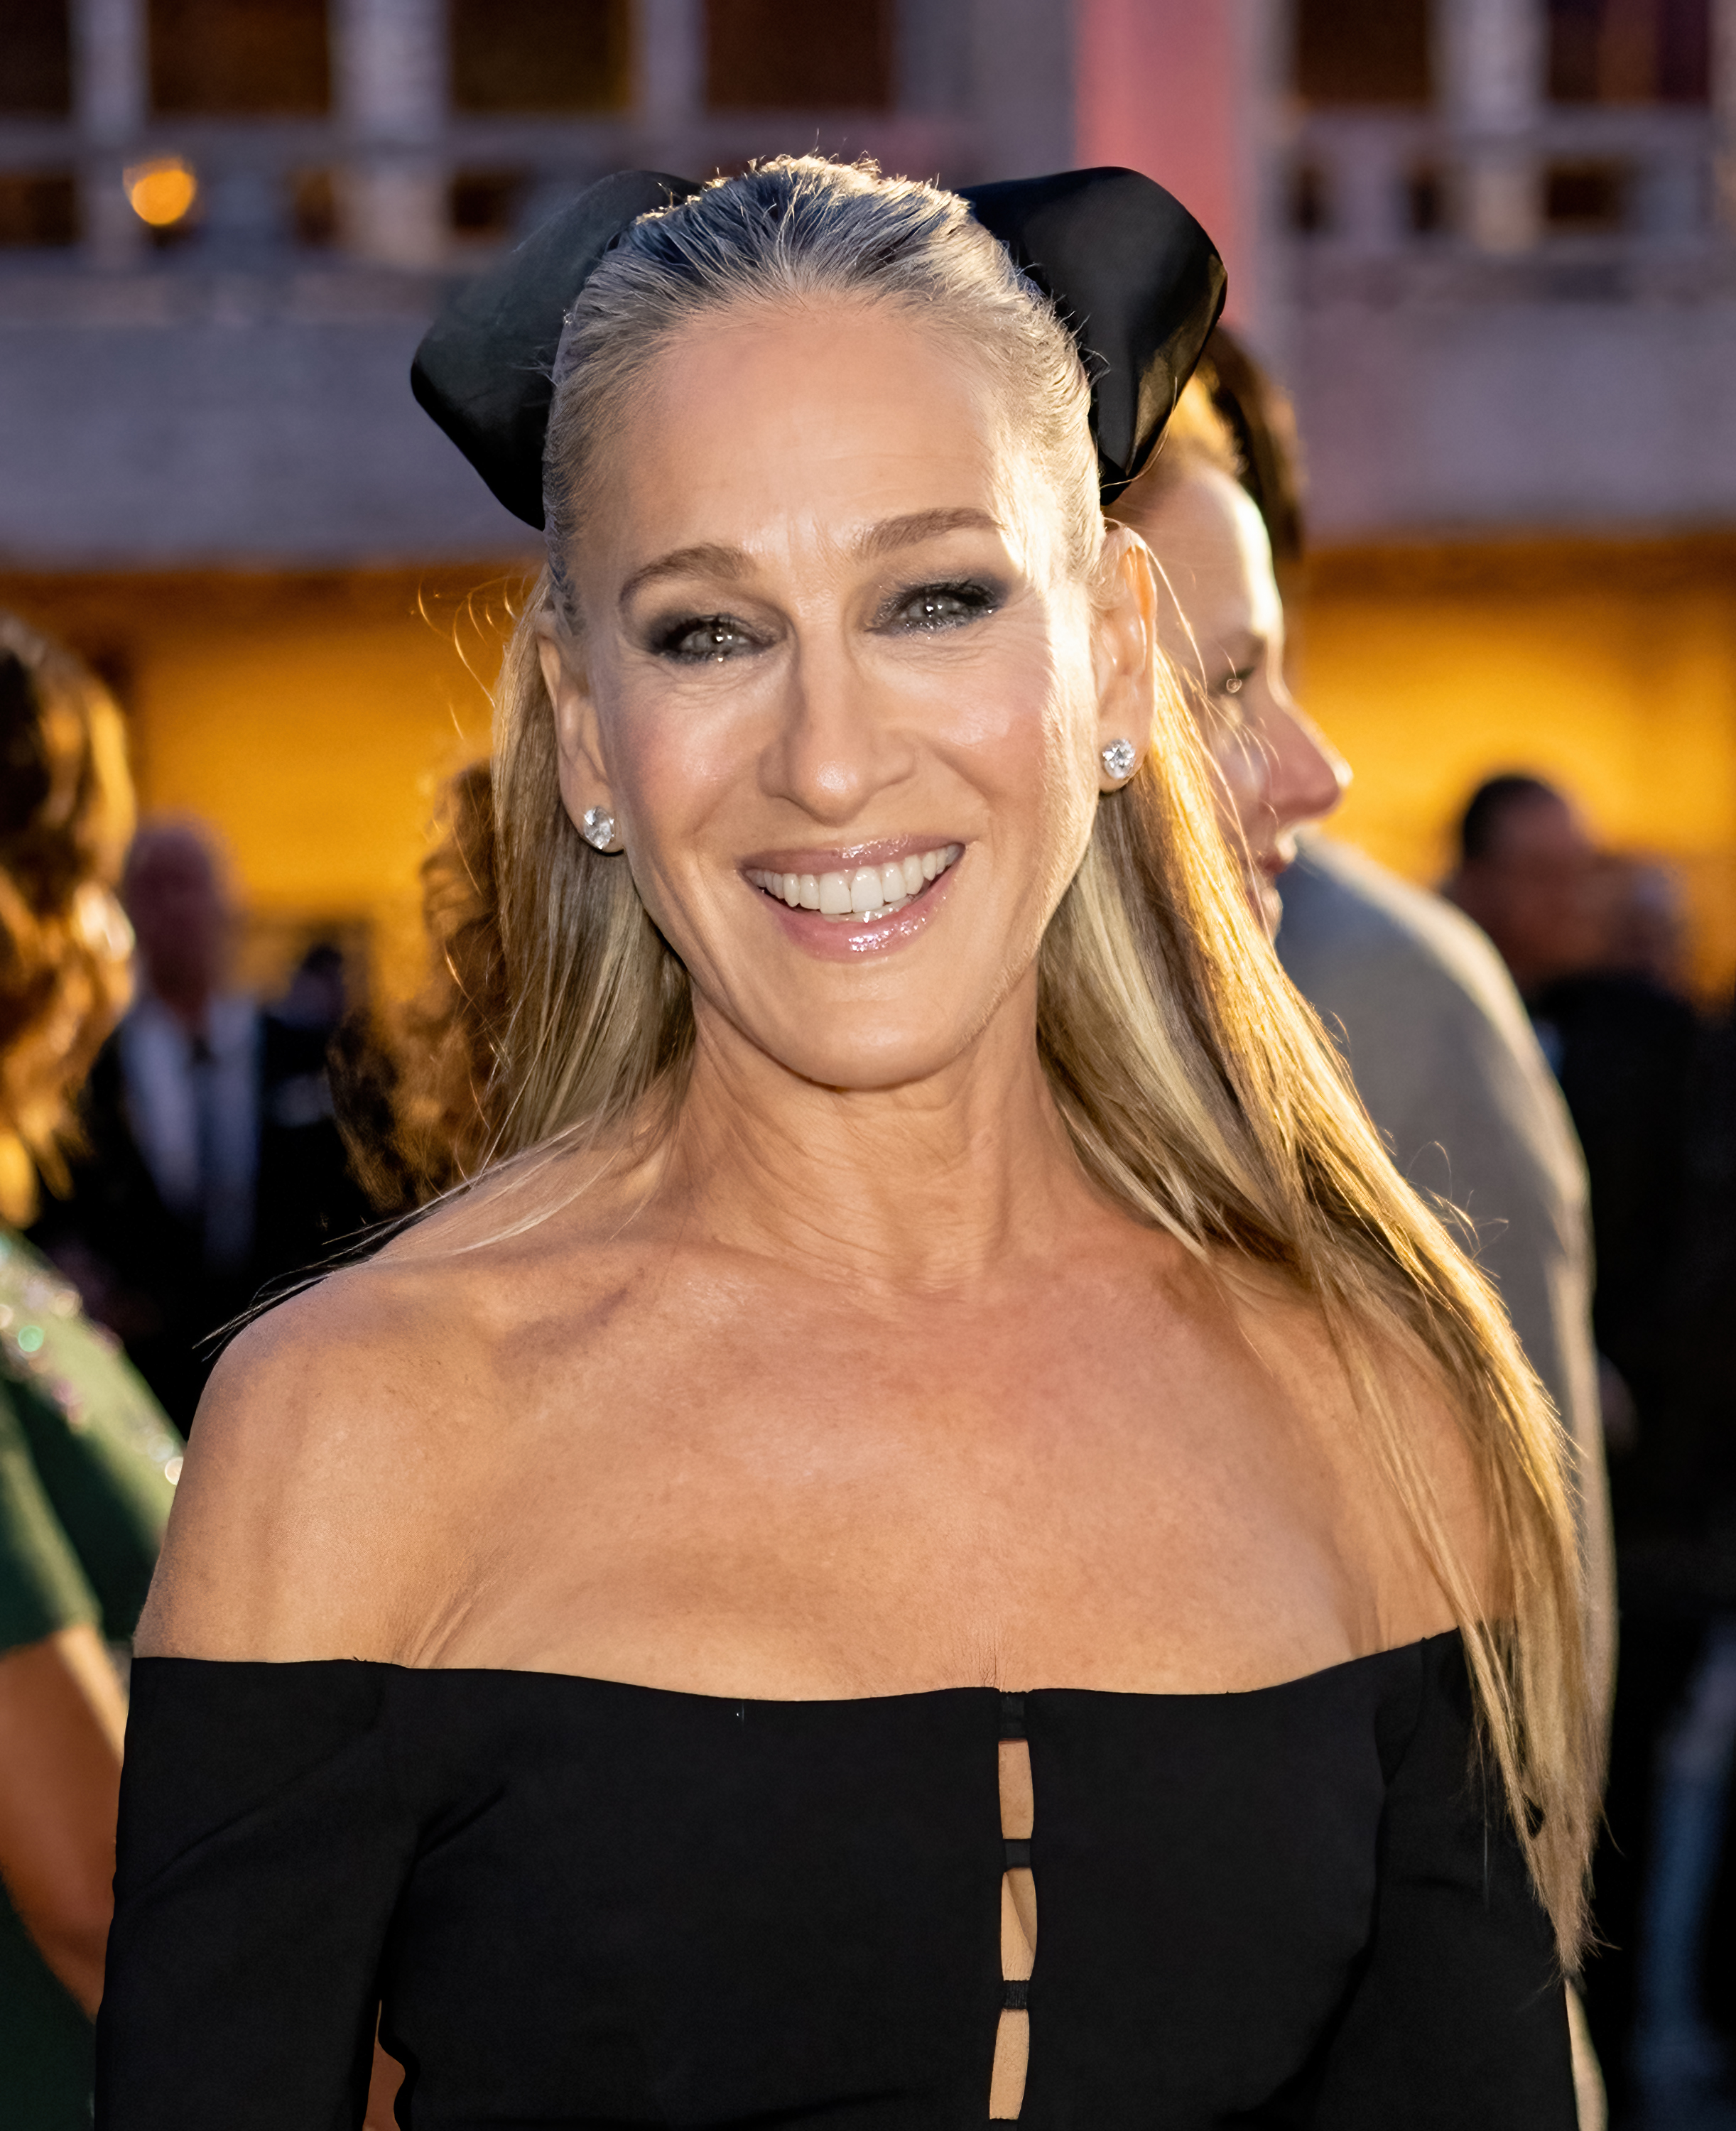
1443 1055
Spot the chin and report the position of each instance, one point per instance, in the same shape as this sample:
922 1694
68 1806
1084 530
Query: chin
1265 903
855 1067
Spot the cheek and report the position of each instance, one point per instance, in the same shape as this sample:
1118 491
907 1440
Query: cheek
1242 778
673 760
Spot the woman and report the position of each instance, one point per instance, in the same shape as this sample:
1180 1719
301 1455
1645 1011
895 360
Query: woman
87 1462
1221 623
939 1414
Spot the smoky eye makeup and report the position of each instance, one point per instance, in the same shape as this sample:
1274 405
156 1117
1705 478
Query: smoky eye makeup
926 610
701 639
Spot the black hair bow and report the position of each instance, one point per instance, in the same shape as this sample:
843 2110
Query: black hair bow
1132 274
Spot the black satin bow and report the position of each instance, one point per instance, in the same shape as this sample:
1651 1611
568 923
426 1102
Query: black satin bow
1135 277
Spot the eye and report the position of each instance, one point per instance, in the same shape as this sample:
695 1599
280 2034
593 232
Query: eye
698 640
1236 681
930 608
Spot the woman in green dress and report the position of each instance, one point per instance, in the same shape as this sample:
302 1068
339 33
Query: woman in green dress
88 1463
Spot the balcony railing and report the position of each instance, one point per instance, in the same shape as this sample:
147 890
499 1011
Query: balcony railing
1625 182
268 191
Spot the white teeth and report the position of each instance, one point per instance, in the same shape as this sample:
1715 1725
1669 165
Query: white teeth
868 892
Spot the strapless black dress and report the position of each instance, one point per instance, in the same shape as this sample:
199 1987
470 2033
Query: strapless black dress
584 1906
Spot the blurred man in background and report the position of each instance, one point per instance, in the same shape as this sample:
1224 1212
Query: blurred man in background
212 1166
1593 945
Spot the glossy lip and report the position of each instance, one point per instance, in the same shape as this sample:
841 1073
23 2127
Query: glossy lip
829 940
813 859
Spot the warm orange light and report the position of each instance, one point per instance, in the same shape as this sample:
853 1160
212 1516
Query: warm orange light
161 192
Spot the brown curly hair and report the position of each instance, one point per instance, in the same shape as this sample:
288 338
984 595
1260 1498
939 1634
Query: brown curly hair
66 813
417 1088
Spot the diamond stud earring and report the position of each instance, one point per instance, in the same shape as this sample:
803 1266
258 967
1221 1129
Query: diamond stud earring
597 827
1119 758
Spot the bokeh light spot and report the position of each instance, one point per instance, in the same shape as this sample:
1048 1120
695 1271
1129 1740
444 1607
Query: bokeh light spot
161 192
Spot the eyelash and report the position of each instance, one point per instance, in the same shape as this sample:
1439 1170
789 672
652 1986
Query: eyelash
975 601
670 642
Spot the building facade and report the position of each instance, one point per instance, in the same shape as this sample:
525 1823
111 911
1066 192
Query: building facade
1489 244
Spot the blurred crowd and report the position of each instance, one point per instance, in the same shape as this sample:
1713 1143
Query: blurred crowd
173 1150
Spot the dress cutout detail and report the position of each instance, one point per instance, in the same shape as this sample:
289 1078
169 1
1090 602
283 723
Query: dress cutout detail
1018 1916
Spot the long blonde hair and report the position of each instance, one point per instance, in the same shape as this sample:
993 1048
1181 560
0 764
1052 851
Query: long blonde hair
1196 1088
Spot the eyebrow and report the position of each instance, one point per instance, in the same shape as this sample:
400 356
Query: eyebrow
716 560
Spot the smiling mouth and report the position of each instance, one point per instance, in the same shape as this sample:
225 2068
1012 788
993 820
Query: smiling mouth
862 892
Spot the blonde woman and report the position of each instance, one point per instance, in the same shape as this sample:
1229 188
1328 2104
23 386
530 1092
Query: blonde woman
935 1537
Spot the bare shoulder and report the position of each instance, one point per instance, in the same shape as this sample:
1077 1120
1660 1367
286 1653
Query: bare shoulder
343 1435
1290 1332
300 1479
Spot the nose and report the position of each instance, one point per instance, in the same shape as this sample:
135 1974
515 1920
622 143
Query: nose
1306 776
838 743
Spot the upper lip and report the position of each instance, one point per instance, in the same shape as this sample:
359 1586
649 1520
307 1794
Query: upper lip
883 851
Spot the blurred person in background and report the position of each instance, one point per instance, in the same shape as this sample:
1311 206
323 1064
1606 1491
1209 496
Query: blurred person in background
1571 927
1594 943
87 1460
212 1166
1437 1041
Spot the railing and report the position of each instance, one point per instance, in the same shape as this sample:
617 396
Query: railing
269 190
1379 184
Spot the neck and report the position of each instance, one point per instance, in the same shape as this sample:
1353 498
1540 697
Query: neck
929 1184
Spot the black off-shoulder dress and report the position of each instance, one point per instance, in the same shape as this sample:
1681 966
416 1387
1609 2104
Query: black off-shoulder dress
584 1906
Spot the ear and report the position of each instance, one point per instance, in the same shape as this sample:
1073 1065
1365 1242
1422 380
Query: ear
584 780
1124 624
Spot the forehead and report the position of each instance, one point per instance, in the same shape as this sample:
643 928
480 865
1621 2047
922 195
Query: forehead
1212 541
765 426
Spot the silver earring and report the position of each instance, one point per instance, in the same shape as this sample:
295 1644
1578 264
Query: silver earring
596 825
1118 759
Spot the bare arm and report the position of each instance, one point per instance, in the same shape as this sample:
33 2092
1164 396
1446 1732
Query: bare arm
61 1722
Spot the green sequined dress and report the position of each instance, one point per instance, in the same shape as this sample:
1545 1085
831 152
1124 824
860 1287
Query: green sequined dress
87 1467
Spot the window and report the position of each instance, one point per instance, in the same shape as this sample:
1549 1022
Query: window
1585 198
1425 201
485 204
791 56
35 80
1630 51
1363 51
540 55
38 208
313 208
1310 204
239 58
